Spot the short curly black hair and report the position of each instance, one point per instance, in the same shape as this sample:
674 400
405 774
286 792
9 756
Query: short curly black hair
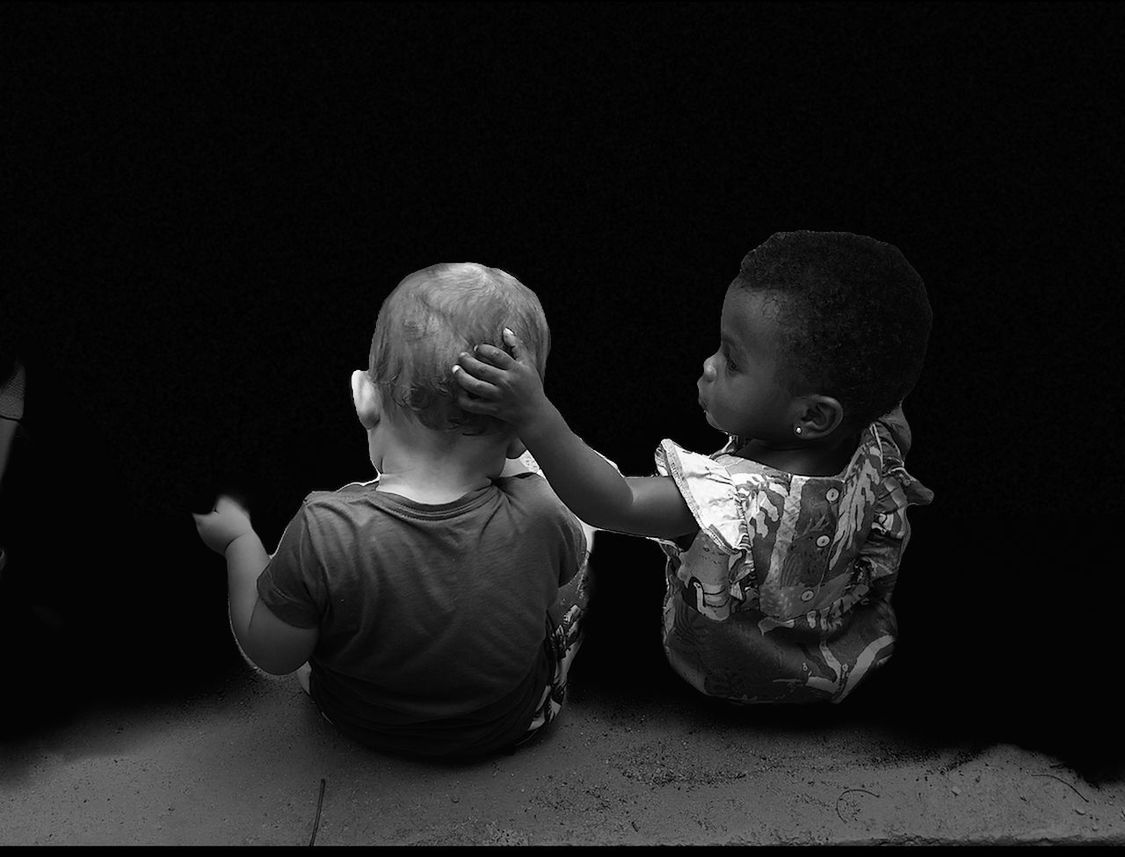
854 316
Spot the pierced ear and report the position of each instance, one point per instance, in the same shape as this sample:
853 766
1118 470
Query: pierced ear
821 416
365 398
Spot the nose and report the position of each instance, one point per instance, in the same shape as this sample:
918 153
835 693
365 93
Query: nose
709 371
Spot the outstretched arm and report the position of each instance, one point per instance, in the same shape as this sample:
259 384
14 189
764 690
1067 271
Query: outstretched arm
509 388
266 641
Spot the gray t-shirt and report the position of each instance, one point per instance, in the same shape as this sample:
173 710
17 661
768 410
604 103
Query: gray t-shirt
432 618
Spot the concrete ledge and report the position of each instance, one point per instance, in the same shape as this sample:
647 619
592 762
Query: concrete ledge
242 765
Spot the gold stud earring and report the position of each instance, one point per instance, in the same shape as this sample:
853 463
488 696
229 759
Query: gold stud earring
796 429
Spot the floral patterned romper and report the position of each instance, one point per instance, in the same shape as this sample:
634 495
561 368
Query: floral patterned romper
784 594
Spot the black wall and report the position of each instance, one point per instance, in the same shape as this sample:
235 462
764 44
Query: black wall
206 203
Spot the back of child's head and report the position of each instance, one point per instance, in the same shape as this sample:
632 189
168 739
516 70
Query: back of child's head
854 317
431 317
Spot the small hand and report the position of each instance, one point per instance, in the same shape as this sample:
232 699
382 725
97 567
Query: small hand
224 524
502 386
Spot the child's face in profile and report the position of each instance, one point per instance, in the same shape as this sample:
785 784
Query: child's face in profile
741 390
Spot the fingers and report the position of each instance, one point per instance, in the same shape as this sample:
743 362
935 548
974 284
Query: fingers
478 370
475 394
472 405
514 352
518 351
495 356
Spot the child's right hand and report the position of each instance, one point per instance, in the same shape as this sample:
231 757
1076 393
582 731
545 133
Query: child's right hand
502 386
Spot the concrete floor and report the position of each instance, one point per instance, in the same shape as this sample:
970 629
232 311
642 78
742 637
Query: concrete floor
182 743
242 762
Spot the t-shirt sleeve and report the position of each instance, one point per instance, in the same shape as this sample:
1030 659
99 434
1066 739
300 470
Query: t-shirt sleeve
557 529
709 493
293 585
585 533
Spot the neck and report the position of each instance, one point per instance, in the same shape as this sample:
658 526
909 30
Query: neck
803 459
434 467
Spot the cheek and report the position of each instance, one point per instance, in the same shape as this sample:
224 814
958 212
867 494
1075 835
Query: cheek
723 400
737 398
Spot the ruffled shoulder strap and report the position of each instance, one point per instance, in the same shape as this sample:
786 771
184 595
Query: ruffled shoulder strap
898 488
709 492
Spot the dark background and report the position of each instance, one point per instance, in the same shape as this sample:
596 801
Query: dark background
206 203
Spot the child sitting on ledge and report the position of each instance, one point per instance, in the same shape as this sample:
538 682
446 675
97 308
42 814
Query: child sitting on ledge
438 606
783 547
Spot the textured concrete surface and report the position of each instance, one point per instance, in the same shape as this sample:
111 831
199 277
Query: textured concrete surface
243 762
184 744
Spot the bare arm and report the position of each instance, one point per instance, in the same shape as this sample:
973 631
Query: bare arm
268 642
509 387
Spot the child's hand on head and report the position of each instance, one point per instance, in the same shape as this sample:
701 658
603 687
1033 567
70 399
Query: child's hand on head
500 385
224 524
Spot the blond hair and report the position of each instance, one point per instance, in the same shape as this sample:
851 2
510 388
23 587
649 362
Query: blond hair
432 316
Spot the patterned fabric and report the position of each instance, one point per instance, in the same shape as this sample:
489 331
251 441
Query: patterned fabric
562 644
784 594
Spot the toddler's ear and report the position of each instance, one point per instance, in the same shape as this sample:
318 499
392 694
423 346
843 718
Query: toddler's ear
365 398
